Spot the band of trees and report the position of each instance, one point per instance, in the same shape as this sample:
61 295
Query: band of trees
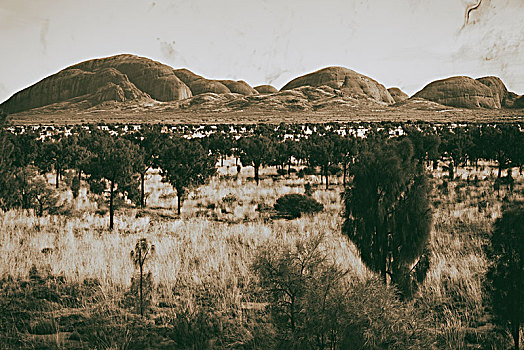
117 162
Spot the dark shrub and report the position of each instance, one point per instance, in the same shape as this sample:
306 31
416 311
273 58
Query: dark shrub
294 205
315 304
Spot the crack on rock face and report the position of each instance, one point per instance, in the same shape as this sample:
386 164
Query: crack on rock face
469 9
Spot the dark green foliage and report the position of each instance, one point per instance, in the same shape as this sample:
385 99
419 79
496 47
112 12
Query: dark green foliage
185 164
294 205
505 277
8 197
323 151
455 144
75 186
387 212
219 144
113 159
149 140
257 151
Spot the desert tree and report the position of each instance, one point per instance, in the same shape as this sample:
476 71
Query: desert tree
78 158
114 159
346 148
425 142
496 140
505 276
149 140
284 151
184 164
256 150
26 148
387 212
219 144
323 152
455 143
7 166
54 154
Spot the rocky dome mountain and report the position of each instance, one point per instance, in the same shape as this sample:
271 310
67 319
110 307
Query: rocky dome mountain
132 83
116 78
349 82
465 92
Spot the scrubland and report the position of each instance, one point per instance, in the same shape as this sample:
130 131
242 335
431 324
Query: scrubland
67 279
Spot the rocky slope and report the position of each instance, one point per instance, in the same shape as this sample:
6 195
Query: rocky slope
397 94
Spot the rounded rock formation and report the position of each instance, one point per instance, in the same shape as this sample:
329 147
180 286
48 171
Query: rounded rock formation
350 82
265 89
72 83
239 87
497 87
397 94
154 78
116 78
462 92
200 85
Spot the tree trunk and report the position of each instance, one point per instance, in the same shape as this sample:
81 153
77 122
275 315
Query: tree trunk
344 176
500 170
257 179
142 190
57 175
179 194
327 177
515 332
451 170
111 208
140 291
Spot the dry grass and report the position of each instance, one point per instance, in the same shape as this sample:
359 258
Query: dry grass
213 244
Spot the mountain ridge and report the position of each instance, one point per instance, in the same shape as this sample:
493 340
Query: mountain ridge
125 80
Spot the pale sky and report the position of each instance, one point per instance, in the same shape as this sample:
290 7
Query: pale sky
403 43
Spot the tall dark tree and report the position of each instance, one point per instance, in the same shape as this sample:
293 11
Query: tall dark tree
113 159
323 152
150 140
497 140
256 151
455 143
347 150
7 167
220 145
425 143
387 212
184 164
505 276
54 154
78 158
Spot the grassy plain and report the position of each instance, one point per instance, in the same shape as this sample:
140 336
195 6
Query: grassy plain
205 257
386 113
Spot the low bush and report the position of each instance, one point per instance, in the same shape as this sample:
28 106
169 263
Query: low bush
294 205
315 304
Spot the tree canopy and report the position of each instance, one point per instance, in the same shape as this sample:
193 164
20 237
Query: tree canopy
387 213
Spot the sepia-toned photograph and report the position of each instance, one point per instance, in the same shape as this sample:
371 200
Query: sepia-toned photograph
262 174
